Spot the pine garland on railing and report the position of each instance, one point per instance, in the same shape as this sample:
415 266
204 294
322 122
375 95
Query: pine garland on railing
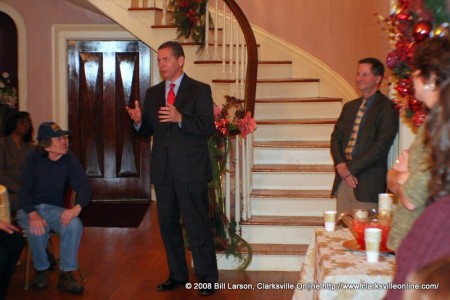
231 120
190 18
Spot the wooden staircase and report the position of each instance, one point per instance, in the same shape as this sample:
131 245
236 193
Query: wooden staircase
292 176
293 170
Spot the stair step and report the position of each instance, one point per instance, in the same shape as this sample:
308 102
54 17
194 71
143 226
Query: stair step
291 168
144 9
284 221
279 249
275 249
164 26
294 130
292 176
296 153
264 262
309 108
297 121
286 230
174 26
298 100
275 80
274 87
266 69
301 179
292 144
275 202
261 193
274 62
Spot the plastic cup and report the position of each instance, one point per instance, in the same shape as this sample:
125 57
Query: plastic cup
385 201
372 238
329 218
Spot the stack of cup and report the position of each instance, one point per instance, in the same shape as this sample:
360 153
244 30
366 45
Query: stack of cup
372 238
329 217
385 202
385 205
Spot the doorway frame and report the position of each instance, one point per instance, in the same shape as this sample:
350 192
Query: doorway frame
21 52
61 34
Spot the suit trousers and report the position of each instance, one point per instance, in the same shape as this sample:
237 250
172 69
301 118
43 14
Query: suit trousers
346 200
188 203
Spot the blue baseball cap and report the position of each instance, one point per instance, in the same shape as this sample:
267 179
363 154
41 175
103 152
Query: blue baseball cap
50 129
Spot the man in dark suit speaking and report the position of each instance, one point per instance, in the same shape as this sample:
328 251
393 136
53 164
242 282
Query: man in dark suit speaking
361 140
178 113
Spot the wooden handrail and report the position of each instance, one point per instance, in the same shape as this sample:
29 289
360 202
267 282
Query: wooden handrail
252 54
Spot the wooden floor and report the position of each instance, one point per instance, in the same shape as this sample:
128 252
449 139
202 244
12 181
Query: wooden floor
128 263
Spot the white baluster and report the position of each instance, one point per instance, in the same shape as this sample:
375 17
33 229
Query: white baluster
207 30
248 173
216 30
164 18
237 185
224 33
228 146
231 45
245 211
242 81
236 81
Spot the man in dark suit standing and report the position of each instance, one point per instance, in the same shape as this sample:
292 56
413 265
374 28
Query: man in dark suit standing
178 113
361 140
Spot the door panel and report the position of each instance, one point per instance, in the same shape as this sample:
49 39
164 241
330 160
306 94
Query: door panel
104 77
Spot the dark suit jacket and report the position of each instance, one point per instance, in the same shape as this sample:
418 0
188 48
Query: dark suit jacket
376 134
185 147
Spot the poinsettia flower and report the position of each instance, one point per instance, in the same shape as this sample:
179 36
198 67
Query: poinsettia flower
222 127
418 118
217 111
247 124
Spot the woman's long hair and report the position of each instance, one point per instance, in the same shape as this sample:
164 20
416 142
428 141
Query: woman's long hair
432 58
12 122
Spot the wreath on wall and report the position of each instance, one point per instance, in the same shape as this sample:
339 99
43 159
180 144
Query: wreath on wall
411 23
8 92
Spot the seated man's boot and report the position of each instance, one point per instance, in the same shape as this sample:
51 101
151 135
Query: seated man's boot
67 283
40 282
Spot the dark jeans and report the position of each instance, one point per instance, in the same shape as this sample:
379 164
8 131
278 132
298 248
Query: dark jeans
11 246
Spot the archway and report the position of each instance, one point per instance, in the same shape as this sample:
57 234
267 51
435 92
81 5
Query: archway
8 69
21 52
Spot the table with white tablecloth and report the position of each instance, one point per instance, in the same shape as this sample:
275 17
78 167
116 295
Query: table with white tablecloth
329 268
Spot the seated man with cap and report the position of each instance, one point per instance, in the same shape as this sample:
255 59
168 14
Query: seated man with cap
47 172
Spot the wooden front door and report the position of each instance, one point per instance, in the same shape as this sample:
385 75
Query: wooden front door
104 77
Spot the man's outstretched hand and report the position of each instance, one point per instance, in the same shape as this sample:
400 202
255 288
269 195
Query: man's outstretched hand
135 113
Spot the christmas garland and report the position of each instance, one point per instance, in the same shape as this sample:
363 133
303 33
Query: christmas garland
189 17
8 91
411 23
230 120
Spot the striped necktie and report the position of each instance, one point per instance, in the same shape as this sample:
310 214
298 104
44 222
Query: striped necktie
355 129
171 95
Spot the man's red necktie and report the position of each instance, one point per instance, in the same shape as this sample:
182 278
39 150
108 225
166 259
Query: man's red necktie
171 95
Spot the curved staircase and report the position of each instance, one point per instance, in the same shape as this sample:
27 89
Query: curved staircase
298 100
